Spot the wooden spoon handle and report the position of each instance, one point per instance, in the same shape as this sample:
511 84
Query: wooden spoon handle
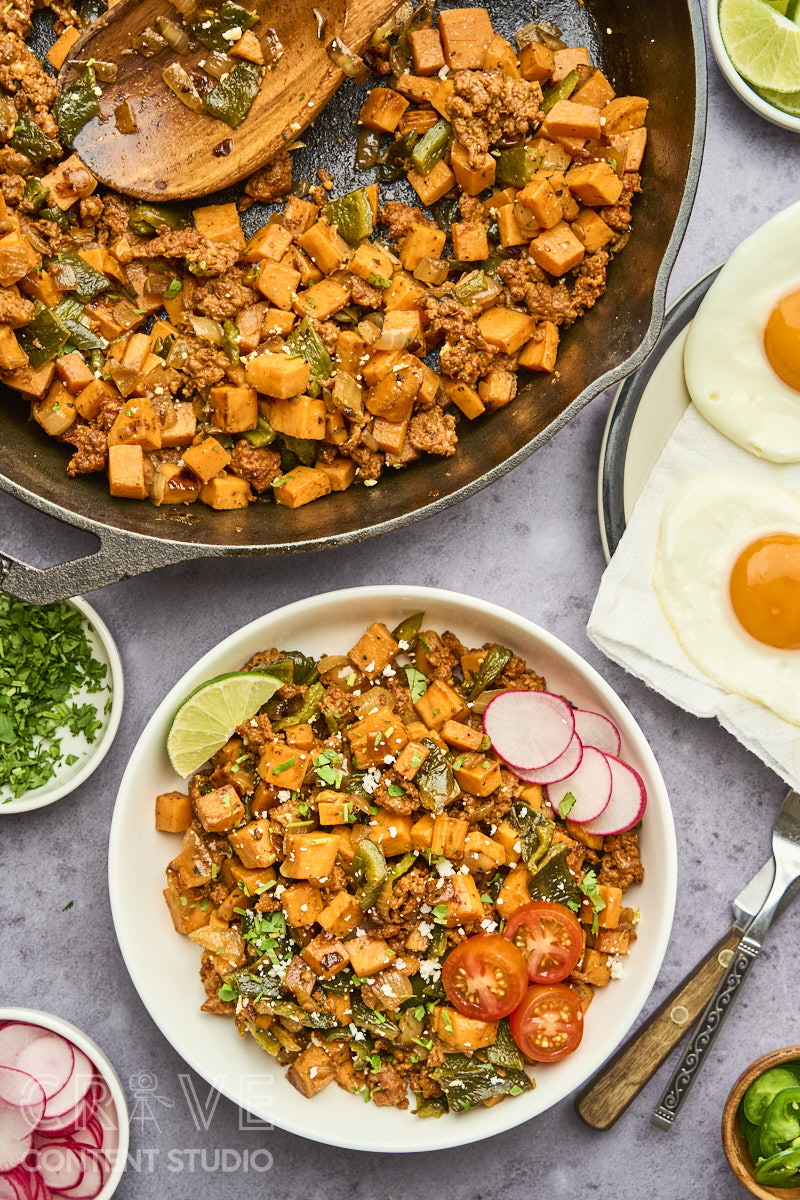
609 1093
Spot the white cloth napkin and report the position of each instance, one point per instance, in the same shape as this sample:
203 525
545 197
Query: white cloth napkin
627 622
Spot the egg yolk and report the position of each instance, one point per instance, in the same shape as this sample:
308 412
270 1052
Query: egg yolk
782 339
765 590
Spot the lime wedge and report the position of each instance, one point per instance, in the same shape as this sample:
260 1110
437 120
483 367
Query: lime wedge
208 717
763 45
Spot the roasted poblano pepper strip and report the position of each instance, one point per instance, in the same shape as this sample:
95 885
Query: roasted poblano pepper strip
396 157
70 313
505 1052
373 1021
90 282
36 193
264 1038
230 341
370 872
76 105
432 147
517 165
368 148
470 287
211 25
57 216
430 1106
303 449
308 711
559 91
493 665
43 337
536 832
32 141
408 629
145 219
434 780
305 342
231 100
352 214
553 880
466 1082
446 211
262 435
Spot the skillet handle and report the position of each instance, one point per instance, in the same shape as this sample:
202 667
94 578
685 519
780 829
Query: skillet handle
117 558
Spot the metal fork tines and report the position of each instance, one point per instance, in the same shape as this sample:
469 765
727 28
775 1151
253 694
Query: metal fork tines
786 853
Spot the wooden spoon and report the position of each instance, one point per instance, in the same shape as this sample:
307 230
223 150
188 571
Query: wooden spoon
172 155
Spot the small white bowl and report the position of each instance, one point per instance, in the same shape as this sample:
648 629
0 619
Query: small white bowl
68 778
119 1153
740 85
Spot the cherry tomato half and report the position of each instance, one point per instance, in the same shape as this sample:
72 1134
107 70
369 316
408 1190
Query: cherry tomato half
548 1025
485 977
549 936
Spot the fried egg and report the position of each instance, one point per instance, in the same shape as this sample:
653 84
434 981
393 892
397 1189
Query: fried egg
727 577
742 355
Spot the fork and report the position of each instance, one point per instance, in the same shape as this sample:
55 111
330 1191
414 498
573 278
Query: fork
786 853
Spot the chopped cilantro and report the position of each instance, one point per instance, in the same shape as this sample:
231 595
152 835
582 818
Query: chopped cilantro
417 683
284 766
591 891
379 280
395 790
439 913
68 906
375 1062
174 288
226 992
567 804
447 1021
419 1012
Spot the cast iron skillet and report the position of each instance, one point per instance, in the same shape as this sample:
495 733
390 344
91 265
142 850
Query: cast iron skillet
653 50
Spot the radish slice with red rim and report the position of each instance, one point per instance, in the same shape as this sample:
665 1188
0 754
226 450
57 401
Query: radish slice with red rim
589 785
51 1060
16 1137
560 768
14 1037
627 804
75 1088
93 1178
21 1090
60 1166
529 729
596 730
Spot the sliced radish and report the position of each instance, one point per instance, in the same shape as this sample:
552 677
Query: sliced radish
21 1090
60 1166
627 804
529 729
51 1060
560 768
16 1137
596 730
14 1037
75 1087
8 1189
590 784
92 1180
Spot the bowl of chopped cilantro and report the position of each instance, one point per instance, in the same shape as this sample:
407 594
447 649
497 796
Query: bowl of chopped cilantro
60 699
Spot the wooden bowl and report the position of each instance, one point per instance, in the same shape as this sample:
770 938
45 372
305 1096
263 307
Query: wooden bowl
732 1140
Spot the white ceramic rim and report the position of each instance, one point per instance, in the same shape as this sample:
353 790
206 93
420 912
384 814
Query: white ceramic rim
32 1016
140 948
737 82
95 753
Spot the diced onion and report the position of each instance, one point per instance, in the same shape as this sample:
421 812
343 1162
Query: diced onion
482 703
173 35
207 328
218 64
376 697
347 60
331 661
431 270
540 31
179 82
125 117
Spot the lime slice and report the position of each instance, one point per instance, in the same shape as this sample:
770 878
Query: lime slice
763 45
787 102
208 717
787 7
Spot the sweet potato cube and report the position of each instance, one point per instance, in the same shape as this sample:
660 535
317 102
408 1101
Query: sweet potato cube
389 436
235 409
420 120
439 703
220 223
508 836
69 182
596 91
608 918
341 914
471 179
326 955
220 810
248 47
226 492
541 351
481 853
248 881
422 833
477 774
340 472
253 844
411 759
514 892
465 398
374 650
624 113
126 472
370 260
206 459
466 905
572 120
505 328
457 1032
536 62
283 766
500 55
336 432
187 915
61 47
310 856
470 243
594 183
311 1071
382 110
269 243
301 486
378 364
74 372
17 258
391 831
540 198
333 808
277 375
426 51
448 836
302 903
12 356
393 398
437 183
590 228
497 389
557 250
325 247
594 968
466 34
593 840
421 242
136 424
276 320
509 228
612 941
299 215
636 140
278 283
376 736
303 417
31 381
461 737
173 812
322 300
571 58
369 955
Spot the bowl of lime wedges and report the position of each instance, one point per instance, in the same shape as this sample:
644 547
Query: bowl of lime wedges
757 46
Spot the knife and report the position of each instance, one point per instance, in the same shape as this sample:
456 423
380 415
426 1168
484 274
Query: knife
619 1081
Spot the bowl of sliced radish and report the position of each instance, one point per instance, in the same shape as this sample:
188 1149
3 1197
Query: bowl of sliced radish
63 1116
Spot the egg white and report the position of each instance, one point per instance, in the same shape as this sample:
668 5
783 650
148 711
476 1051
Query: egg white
707 522
728 374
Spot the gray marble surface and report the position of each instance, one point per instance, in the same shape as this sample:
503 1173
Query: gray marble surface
724 799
